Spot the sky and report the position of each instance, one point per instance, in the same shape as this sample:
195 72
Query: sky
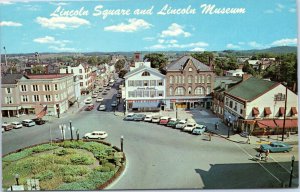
59 26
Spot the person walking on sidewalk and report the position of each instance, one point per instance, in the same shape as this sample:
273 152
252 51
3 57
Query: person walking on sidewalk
209 136
217 126
248 139
267 155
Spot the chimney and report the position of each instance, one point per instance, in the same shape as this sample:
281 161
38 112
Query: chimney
246 76
137 57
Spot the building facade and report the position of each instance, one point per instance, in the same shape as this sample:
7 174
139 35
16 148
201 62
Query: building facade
144 88
189 84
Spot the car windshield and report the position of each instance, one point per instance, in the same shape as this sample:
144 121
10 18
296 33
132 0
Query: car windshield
189 125
181 122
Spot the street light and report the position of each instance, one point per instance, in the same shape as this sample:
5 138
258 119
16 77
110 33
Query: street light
122 138
229 118
292 167
17 178
283 128
176 111
62 128
71 130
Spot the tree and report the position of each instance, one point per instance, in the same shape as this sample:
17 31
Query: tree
38 69
122 73
158 60
204 57
93 60
249 69
119 65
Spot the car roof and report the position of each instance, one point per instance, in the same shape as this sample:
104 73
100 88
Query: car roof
15 122
173 119
27 120
278 143
182 121
164 117
98 132
148 115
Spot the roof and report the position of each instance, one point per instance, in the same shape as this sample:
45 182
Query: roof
141 68
253 62
10 78
181 62
251 88
48 76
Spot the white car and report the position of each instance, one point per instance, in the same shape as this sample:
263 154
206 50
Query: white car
148 118
189 127
155 119
99 99
88 100
102 108
17 125
181 124
94 95
96 135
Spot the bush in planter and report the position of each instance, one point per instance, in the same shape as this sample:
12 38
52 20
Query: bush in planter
62 152
44 147
69 179
73 170
110 166
46 175
79 159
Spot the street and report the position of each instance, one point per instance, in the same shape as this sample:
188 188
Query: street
159 157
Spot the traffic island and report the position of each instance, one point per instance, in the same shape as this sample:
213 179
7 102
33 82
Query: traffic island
63 165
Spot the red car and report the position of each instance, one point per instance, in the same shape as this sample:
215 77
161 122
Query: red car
164 120
89 107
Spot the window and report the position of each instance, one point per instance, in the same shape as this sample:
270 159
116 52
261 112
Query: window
24 98
196 78
160 82
171 91
241 111
180 91
131 93
56 97
230 104
146 93
160 93
226 101
146 82
139 93
23 88
36 98
47 87
208 90
152 93
190 69
190 79
35 87
8 100
199 91
55 87
179 79
72 71
80 70
190 90
171 79
145 73
208 79
152 83
130 83
176 81
81 84
48 97
8 90
80 77
202 78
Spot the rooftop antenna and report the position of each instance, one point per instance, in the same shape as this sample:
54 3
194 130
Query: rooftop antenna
5 56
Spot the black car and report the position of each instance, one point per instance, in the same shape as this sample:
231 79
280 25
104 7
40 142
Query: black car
39 121
139 117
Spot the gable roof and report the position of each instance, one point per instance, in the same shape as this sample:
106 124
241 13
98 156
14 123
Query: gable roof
181 62
251 88
253 62
143 68
10 78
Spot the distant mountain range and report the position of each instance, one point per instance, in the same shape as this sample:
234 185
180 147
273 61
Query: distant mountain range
274 50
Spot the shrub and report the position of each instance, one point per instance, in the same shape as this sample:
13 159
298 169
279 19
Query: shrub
79 159
46 175
69 179
18 155
44 147
72 144
74 170
62 152
110 166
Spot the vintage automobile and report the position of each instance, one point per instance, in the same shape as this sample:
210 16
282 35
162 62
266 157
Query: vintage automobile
148 118
39 121
96 135
17 125
164 120
155 119
274 147
199 129
90 107
190 126
88 100
172 122
129 117
99 99
139 117
28 123
181 124
7 126
114 104
101 108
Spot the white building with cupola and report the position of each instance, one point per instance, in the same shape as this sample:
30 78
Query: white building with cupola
144 88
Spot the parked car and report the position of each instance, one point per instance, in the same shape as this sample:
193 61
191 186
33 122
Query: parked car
39 121
7 126
172 122
99 99
155 119
17 125
189 127
90 107
108 88
28 123
94 95
88 100
129 117
119 95
114 104
164 120
101 108
139 117
104 93
276 147
199 129
181 124
96 135
100 89
148 118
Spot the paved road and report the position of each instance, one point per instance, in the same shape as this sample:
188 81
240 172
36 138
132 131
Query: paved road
164 158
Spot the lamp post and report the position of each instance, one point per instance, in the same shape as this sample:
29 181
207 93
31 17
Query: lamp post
122 139
17 178
284 115
229 124
71 130
176 111
292 167
62 128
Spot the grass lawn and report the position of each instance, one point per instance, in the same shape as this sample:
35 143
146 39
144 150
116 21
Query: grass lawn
70 165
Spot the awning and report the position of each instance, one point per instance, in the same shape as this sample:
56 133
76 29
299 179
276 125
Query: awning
281 111
145 104
266 123
72 100
293 111
289 123
267 111
255 111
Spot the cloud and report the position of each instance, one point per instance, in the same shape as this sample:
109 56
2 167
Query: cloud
62 48
200 49
175 30
148 38
10 24
269 11
241 43
6 2
132 26
232 46
292 10
51 40
284 42
174 44
254 44
61 22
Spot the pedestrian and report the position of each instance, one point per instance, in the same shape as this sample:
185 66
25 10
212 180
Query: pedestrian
209 136
259 155
217 126
267 154
248 140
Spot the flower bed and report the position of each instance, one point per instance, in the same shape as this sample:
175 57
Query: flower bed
68 165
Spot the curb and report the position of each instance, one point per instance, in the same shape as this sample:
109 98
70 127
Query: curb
241 142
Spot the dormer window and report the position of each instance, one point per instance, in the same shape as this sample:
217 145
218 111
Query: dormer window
190 69
145 73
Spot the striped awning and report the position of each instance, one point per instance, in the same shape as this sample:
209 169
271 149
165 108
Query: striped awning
255 111
267 111
294 111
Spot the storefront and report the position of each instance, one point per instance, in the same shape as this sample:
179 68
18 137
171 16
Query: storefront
189 103
145 105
